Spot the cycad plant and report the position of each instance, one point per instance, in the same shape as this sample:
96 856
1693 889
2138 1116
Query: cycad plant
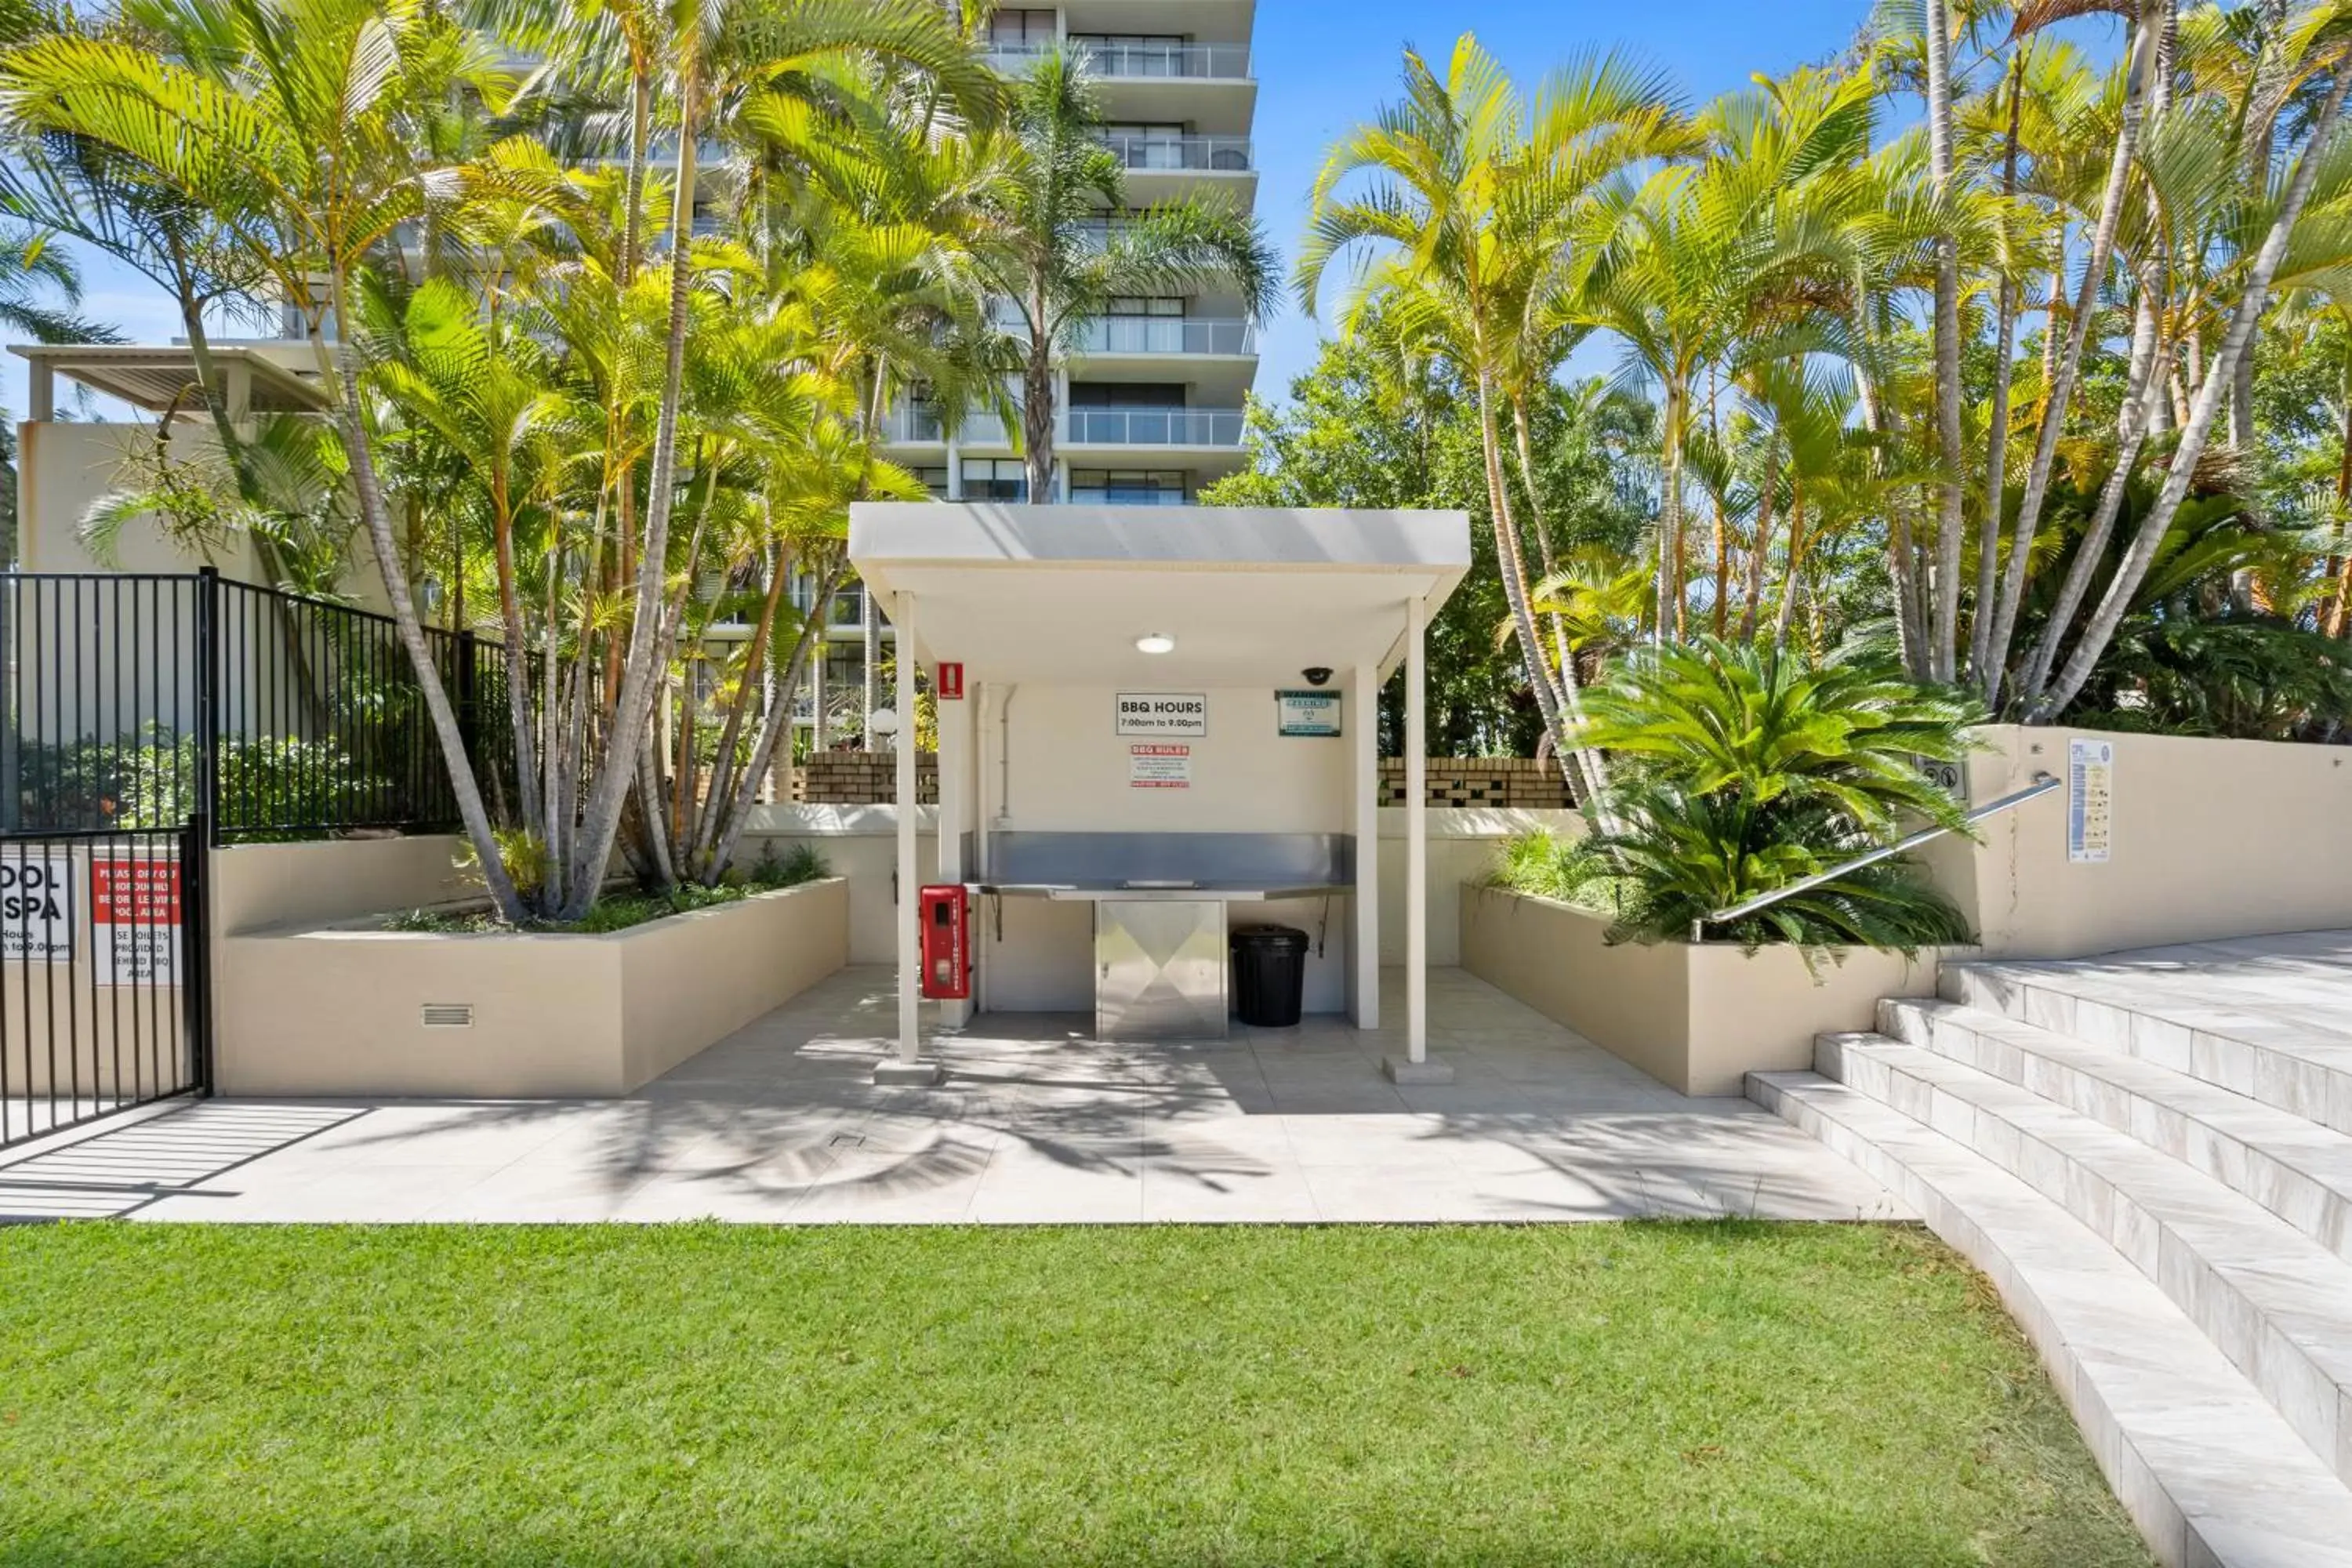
1745 768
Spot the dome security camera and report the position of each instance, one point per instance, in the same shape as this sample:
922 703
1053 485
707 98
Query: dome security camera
1317 675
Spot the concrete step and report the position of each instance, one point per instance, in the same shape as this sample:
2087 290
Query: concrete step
2179 1019
2275 1303
2296 1169
2211 1473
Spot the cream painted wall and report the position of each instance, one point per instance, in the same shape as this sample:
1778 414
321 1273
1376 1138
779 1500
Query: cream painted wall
63 467
1069 769
339 1011
2213 840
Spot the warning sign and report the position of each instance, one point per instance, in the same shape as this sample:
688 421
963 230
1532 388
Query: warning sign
134 921
37 905
1159 767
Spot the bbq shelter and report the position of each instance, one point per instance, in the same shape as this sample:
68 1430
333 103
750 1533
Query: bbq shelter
1156 725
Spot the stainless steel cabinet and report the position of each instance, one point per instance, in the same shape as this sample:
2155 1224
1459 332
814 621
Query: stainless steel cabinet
1159 969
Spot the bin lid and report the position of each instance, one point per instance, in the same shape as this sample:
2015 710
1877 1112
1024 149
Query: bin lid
1269 935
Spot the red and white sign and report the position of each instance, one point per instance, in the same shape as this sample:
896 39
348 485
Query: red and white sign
950 684
1159 767
134 919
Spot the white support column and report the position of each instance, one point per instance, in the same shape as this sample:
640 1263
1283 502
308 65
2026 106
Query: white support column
1363 722
1416 1068
40 392
908 1066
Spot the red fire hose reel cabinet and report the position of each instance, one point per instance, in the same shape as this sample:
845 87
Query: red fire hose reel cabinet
946 914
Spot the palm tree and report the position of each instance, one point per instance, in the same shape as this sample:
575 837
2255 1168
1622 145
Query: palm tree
1473 203
1052 185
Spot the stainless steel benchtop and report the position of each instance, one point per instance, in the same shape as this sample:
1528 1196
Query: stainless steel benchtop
1218 893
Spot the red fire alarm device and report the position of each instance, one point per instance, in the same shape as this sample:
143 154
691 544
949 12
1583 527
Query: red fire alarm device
946 942
950 683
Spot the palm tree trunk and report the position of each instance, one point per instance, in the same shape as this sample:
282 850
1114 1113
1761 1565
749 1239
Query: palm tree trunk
1670 509
1996 480
1944 617
1515 581
639 688
1761 544
1037 405
340 373
1796 558
2220 376
2139 66
808 645
1596 768
2143 397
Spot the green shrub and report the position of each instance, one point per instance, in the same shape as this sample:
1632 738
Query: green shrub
1741 770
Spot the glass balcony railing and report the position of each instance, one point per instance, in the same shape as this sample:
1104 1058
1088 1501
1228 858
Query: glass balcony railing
912 422
1219 155
1159 59
1167 335
1114 495
1133 61
1155 427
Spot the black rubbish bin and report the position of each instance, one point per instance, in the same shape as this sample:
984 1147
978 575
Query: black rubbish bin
1270 975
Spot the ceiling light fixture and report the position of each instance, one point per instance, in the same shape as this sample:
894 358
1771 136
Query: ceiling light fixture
1155 642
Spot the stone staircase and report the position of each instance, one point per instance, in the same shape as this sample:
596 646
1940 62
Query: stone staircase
2150 1154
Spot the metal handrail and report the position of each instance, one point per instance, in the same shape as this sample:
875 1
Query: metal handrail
2042 785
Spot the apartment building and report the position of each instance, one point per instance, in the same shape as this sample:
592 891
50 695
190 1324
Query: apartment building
1149 407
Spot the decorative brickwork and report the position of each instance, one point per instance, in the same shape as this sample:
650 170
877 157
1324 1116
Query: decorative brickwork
862 778
1521 783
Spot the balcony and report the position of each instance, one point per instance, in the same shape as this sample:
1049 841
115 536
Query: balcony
1167 335
1154 427
912 422
1164 61
1134 61
1214 154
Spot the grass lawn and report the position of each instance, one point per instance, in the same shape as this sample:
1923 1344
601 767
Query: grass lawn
1731 1392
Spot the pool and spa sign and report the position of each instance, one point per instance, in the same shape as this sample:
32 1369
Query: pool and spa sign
1174 714
37 906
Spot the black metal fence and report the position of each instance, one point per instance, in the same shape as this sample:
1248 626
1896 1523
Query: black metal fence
105 987
138 701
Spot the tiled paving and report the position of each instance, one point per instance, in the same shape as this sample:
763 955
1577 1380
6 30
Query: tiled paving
1036 1122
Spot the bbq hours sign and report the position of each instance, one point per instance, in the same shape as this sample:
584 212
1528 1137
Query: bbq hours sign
1154 713
37 905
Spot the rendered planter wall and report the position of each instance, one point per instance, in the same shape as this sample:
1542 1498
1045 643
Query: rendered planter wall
342 1010
1696 1018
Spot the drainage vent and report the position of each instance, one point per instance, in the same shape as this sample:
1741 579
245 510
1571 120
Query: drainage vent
449 1014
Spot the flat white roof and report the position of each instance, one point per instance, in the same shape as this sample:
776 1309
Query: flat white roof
1061 593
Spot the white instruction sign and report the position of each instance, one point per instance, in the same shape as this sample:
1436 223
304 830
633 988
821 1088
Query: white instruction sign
1163 713
1159 767
2090 801
37 905
134 919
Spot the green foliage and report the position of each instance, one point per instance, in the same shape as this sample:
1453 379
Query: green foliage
803 863
269 784
1362 430
1742 770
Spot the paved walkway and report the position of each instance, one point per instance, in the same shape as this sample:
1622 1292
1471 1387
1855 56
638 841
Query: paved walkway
782 1122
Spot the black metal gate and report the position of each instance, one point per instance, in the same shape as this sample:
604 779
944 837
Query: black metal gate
105 974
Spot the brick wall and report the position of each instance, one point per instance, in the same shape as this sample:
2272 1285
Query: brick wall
862 778
1518 782
868 778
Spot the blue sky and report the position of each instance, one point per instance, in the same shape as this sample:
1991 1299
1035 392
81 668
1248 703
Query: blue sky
1322 66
